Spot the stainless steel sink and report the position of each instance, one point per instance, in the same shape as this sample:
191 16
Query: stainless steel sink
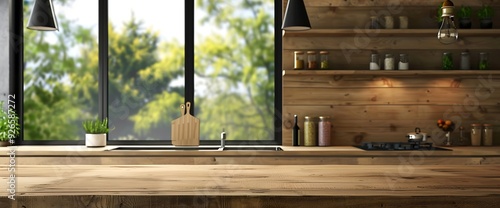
203 148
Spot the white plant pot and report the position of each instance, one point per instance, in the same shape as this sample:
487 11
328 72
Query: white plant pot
95 140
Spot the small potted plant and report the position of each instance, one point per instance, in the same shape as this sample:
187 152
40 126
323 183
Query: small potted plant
96 131
439 17
485 14
9 126
464 15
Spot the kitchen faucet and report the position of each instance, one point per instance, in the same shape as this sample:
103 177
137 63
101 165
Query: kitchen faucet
223 139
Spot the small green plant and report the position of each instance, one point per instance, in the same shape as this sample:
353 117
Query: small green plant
447 61
96 126
485 12
9 124
483 65
439 17
464 12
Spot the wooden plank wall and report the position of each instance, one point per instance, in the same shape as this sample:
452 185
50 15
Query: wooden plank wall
386 108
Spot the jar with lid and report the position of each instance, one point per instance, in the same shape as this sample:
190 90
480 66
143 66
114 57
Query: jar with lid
447 61
465 61
311 60
389 62
299 60
389 22
375 62
324 131
403 62
324 59
374 22
483 61
310 132
487 135
475 134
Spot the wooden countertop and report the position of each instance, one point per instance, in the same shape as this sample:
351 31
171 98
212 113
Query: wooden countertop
347 151
256 180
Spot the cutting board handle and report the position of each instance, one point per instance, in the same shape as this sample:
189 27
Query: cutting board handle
188 107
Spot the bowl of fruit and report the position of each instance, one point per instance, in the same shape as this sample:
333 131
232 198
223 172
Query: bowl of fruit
448 126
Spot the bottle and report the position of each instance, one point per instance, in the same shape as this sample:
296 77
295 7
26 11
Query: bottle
310 132
299 60
374 23
403 62
375 62
487 135
447 61
324 131
295 132
475 135
324 59
465 61
483 61
389 62
311 60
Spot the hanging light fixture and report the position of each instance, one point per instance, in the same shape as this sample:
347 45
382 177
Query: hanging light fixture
447 32
296 16
42 16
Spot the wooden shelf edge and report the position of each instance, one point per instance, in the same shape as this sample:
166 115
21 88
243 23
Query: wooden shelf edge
387 32
390 73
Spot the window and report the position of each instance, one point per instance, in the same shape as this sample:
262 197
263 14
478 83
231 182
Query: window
218 55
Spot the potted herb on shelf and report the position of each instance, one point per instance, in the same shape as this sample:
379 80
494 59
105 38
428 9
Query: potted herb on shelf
96 131
485 14
9 126
439 17
464 15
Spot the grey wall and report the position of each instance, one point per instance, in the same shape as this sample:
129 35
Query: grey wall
4 48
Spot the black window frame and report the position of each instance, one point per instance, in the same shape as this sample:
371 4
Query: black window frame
16 85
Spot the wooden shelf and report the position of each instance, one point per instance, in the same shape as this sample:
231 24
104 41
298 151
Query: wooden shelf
391 72
388 32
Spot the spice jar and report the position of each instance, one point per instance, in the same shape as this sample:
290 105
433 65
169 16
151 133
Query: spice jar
487 135
299 60
375 62
310 132
475 135
324 131
389 62
403 62
324 59
483 61
403 22
465 61
311 60
447 61
389 22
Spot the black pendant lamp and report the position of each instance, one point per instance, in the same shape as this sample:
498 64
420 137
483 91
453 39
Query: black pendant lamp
296 16
43 16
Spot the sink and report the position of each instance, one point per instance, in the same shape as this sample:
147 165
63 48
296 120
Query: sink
202 148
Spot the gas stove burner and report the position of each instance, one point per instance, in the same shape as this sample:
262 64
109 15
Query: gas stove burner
399 146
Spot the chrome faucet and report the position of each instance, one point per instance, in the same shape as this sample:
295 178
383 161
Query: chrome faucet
223 139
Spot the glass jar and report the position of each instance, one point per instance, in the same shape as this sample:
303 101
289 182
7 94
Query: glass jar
487 135
465 61
447 61
403 22
389 22
475 134
389 62
324 131
310 132
375 62
299 60
374 22
324 59
312 63
483 61
403 62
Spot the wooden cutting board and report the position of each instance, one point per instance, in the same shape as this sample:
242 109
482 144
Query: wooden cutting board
186 129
